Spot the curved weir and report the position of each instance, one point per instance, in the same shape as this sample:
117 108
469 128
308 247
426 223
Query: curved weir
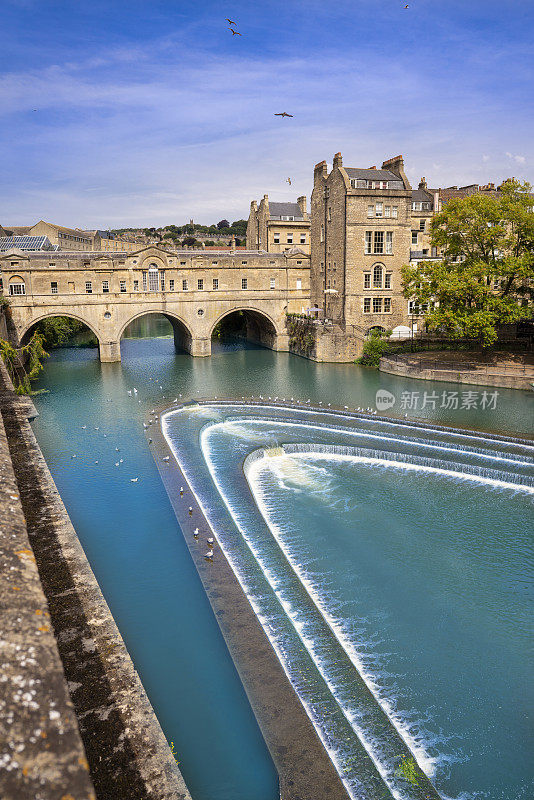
261 458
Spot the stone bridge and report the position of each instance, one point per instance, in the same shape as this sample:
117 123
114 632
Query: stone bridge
194 291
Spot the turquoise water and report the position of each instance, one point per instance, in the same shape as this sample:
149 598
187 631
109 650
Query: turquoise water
137 551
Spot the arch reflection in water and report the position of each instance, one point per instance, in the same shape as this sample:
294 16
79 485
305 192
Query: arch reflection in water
396 556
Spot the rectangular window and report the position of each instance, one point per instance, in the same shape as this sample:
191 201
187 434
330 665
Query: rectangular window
387 211
394 212
244 283
53 287
17 288
273 283
379 209
244 263
136 286
414 237
122 286
329 214
303 238
162 281
215 283
299 283
184 285
422 223
153 280
200 284
370 211
88 287
377 305
367 280
214 263
277 238
387 284
378 242
105 287
368 240
389 242
290 238
366 305
387 305
322 233
171 285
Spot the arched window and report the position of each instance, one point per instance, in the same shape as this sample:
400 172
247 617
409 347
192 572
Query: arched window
16 285
377 276
153 278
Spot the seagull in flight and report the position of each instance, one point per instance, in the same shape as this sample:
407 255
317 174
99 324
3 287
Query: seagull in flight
283 114
234 33
230 21
289 181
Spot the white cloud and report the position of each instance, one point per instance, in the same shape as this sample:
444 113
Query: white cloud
517 159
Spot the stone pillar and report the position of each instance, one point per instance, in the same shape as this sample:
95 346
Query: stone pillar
200 347
110 351
281 343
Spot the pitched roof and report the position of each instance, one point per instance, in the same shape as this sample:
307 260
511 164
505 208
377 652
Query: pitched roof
372 174
421 195
285 210
25 243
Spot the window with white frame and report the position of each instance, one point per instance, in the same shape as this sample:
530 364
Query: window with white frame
377 276
105 287
122 286
53 287
153 278
272 283
394 212
368 241
379 209
276 238
378 242
422 224
389 242
244 283
184 285
303 238
387 281
215 283
366 305
370 211
145 279
289 238
366 280
387 305
88 287
414 237
162 280
387 211
200 284
299 283
377 305
171 284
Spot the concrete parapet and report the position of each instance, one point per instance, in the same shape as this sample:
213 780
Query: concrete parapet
126 754
474 377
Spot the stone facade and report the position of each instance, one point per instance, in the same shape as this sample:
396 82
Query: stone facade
278 227
361 223
194 290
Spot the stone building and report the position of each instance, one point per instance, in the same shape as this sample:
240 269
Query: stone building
361 233
425 203
278 227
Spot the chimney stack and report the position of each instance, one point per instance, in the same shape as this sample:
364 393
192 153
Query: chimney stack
338 160
422 183
396 165
302 205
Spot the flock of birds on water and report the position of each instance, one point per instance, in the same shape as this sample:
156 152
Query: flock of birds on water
154 417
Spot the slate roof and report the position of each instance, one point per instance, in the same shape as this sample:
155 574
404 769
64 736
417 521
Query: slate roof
371 174
421 196
285 210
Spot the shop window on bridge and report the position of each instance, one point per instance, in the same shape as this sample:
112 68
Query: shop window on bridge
171 285
153 278
136 286
184 285
162 280
53 287
88 287
17 286
105 287
122 286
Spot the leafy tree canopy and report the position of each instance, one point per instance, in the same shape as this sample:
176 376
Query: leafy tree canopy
486 275
223 224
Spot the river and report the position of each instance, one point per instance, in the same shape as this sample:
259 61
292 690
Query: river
136 549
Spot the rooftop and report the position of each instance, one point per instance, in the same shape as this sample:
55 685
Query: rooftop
277 210
26 243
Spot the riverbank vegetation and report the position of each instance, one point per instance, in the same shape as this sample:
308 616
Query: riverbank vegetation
485 277
65 332
24 364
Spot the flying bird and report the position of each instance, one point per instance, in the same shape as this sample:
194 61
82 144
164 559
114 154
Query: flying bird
230 22
289 181
234 33
283 114
406 6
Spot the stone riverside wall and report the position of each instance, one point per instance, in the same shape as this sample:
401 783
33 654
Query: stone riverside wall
479 377
75 721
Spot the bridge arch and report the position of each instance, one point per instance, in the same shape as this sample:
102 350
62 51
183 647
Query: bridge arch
23 332
183 336
260 326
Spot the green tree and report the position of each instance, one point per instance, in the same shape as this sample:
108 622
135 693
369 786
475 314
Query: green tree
223 223
486 275
375 346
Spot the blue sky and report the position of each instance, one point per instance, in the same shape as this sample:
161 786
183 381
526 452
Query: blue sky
148 113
